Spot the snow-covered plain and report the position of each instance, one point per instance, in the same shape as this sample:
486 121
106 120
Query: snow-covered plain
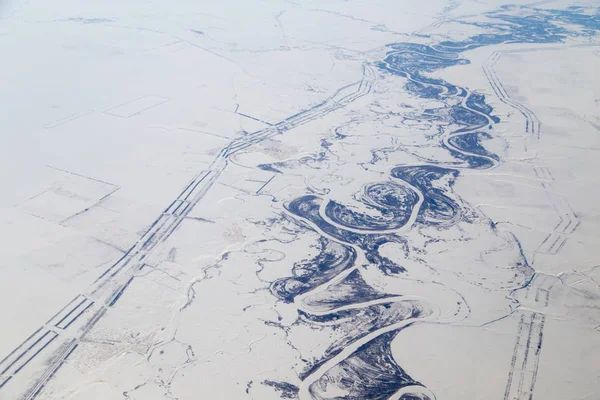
300 200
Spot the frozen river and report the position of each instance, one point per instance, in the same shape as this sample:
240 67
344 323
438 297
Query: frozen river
304 201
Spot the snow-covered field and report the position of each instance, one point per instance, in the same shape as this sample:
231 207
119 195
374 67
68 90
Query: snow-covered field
299 200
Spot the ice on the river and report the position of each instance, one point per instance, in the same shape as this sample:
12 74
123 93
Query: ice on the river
300 200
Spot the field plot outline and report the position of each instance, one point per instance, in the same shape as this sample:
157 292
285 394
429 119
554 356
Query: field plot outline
137 106
68 197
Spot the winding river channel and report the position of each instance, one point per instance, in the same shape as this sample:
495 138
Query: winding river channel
329 290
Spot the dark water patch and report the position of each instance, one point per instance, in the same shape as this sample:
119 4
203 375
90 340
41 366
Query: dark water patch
424 90
333 258
412 61
467 118
375 315
269 167
414 396
351 290
370 373
437 207
312 162
285 389
520 24
477 102
359 322
476 156
308 206
393 202
471 142
371 245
